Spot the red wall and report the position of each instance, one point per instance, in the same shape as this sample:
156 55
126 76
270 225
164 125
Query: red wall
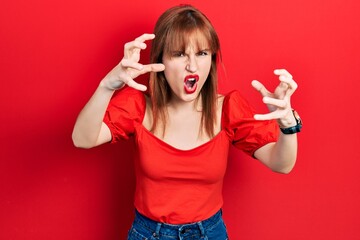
54 53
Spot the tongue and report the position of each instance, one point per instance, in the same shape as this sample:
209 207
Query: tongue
189 84
190 87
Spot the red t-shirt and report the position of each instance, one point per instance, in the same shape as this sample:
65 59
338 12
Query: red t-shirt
183 186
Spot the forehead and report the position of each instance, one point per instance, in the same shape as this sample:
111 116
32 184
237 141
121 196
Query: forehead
195 40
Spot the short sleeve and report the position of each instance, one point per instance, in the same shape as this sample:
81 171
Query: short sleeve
126 108
244 131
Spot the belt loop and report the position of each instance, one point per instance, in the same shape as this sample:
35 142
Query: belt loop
157 231
202 230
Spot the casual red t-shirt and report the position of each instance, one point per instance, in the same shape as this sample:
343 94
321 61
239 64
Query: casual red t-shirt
183 186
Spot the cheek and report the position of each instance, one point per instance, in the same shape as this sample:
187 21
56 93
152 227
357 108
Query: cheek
205 68
171 71
168 72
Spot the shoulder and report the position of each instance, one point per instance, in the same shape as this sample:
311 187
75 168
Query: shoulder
128 93
128 102
234 101
235 108
128 98
233 96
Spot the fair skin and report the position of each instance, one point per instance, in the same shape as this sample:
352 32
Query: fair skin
184 111
279 156
182 130
89 130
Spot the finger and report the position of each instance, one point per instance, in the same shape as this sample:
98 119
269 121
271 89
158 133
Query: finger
282 72
128 80
268 116
286 87
137 45
128 47
288 94
260 87
139 42
155 67
131 64
290 83
145 37
135 85
280 103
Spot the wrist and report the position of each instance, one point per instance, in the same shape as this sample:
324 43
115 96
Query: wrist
293 128
106 84
287 121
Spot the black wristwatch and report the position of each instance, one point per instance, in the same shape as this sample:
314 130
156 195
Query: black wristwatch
294 129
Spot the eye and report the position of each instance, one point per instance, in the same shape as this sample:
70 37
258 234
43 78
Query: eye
177 54
203 53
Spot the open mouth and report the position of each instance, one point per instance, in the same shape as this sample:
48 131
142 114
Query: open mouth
190 83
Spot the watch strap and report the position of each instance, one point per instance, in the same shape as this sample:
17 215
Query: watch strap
294 129
291 130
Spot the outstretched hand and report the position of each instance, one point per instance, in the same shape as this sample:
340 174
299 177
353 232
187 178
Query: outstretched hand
278 102
129 67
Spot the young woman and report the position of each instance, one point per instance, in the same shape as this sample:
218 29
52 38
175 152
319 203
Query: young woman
183 128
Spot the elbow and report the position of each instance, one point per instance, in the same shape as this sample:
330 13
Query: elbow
81 143
284 169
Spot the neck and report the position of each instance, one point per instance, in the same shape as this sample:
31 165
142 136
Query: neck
179 105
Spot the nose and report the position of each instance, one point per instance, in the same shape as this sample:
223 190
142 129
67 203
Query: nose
192 65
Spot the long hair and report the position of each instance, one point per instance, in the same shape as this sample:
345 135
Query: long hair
172 32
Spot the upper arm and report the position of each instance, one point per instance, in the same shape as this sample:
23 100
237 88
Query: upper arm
263 154
104 135
125 110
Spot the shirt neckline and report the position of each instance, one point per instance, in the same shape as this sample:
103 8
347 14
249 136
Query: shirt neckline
162 142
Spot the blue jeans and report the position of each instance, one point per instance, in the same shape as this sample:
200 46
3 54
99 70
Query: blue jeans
144 228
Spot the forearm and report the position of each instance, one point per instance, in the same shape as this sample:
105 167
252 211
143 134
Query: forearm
90 120
283 153
279 156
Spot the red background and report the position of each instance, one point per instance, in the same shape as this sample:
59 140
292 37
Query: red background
53 55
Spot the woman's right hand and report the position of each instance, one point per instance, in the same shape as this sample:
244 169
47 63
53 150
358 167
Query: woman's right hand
129 67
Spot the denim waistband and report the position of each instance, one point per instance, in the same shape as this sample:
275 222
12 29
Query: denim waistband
165 228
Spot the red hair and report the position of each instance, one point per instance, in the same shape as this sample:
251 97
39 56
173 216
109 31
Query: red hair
173 30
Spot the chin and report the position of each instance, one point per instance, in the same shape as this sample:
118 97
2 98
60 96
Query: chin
188 97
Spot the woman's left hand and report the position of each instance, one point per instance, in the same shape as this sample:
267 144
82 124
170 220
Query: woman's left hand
278 102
